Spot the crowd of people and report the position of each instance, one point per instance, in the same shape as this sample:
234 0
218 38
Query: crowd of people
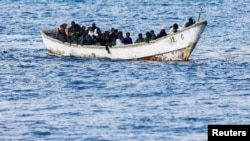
94 36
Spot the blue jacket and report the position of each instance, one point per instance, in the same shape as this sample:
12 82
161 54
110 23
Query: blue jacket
127 40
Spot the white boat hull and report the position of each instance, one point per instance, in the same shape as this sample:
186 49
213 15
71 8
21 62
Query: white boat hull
177 46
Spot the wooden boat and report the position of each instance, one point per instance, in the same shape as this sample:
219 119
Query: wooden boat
176 46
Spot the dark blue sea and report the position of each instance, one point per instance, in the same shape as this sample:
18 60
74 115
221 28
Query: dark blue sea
44 97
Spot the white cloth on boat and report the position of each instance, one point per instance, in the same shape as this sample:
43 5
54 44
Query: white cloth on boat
119 42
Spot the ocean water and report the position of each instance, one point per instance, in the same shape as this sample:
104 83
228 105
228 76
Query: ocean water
45 97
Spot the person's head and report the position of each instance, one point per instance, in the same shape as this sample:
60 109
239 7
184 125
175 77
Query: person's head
162 29
106 32
93 24
148 35
140 35
127 34
190 20
120 34
64 25
73 23
112 30
175 27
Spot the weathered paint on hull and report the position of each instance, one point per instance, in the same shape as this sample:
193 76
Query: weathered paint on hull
177 55
178 46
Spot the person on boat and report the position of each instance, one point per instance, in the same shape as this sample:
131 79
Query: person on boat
90 31
106 40
83 29
162 33
139 38
148 37
189 22
96 29
73 26
97 36
119 38
153 36
74 33
127 39
174 28
62 33
113 35
85 39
